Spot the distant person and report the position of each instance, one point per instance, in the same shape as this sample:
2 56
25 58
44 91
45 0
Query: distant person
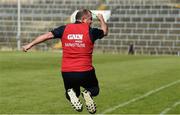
77 44
131 49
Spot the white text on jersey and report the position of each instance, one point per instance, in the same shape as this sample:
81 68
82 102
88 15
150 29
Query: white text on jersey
75 36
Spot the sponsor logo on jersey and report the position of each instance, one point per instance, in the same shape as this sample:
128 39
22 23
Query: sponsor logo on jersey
75 36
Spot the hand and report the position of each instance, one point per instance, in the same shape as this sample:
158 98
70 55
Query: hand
26 47
103 24
100 17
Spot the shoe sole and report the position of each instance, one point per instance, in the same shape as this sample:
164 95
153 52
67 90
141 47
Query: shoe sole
75 102
90 104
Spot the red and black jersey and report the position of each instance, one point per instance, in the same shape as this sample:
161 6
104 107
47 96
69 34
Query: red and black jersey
77 40
77 48
94 33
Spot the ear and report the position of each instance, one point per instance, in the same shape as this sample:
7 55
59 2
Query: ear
83 19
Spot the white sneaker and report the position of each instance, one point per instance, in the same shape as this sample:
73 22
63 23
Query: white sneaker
75 102
90 104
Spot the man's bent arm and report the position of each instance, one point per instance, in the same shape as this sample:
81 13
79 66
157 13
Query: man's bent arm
38 40
103 24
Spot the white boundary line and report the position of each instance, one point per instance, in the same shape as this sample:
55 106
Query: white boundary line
140 97
169 108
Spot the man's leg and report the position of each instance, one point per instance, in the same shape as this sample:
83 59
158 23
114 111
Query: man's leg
90 83
72 90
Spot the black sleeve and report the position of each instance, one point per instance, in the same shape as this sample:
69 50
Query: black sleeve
58 32
96 33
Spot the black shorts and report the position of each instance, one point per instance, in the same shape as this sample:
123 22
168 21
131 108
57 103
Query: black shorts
85 79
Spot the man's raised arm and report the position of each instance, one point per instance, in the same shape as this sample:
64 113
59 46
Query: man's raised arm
103 24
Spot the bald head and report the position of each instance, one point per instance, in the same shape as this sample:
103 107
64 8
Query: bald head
82 13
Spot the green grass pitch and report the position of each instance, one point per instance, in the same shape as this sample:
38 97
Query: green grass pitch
31 83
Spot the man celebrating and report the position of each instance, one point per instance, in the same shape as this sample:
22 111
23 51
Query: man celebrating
77 44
